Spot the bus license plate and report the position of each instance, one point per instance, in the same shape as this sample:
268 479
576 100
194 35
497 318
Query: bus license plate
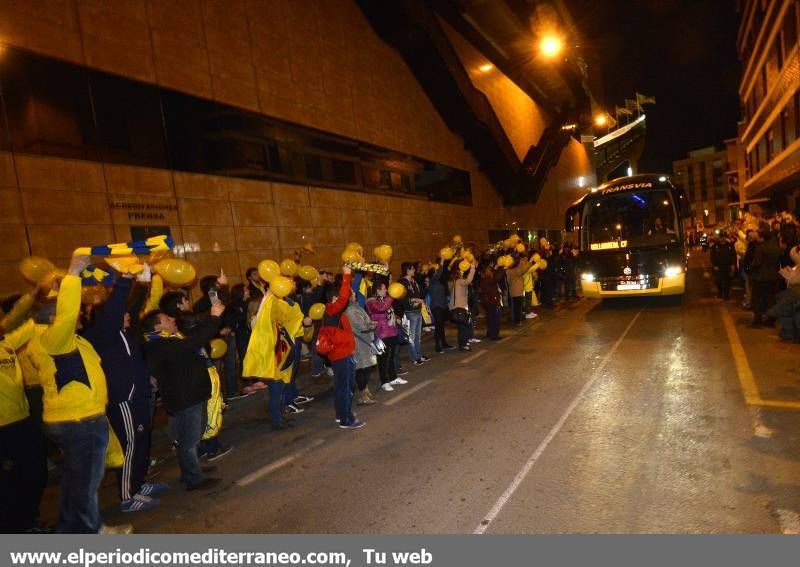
629 286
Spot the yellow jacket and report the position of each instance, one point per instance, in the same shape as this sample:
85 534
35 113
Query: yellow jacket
30 374
277 323
69 368
13 403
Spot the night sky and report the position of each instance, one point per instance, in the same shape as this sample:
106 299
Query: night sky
683 52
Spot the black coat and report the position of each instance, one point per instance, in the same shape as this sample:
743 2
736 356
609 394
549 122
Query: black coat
180 367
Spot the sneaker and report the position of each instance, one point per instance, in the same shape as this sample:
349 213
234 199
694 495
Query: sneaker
449 347
120 529
223 450
208 482
465 349
329 371
419 362
148 489
424 358
139 503
401 372
474 340
398 381
531 315
316 375
387 387
300 400
291 408
356 424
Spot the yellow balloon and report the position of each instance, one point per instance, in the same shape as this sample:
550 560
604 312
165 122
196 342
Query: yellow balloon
268 269
218 348
520 247
351 255
507 243
281 286
176 271
463 265
457 239
317 311
308 273
536 258
383 252
396 290
354 246
514 238
468 256
446 253
288 267
35 268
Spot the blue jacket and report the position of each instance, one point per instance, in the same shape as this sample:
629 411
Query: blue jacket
120 350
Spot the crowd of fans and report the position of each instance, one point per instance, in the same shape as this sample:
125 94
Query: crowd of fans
762 255
81 375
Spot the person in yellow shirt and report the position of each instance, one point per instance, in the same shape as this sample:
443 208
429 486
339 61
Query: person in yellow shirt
74 400
20 441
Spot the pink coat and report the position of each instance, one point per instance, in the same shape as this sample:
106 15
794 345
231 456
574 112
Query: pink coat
381 312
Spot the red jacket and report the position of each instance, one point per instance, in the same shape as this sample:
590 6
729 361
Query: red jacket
344 341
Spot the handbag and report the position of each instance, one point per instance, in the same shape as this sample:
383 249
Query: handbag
326 339
460 316
377 347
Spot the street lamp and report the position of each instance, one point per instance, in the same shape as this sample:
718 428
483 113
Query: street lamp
600 120
551 45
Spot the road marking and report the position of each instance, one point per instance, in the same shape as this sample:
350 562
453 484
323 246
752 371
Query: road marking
749 387
789 521
743 370
528 466
275 465
404 395
472 357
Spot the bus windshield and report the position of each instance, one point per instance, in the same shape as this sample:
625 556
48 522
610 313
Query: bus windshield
629 220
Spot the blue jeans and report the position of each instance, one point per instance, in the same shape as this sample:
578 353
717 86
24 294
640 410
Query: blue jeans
290 391
317 362
186 428
344 377
83 447
275 404
415 334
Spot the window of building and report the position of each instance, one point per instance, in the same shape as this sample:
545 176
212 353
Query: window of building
48 106
56 108
703 180
790 29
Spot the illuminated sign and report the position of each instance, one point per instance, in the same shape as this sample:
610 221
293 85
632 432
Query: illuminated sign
628 187
614 244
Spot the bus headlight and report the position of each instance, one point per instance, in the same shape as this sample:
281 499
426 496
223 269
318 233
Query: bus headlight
672 271
587 277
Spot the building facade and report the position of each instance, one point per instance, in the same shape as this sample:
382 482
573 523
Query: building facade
246 129
770 98
705 176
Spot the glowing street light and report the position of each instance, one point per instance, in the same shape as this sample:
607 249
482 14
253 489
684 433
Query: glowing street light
600 120
551 45
486 68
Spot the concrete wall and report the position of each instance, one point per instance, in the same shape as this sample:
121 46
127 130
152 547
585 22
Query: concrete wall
313 62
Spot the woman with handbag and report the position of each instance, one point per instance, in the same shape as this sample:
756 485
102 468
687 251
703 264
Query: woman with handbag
413 303
380 310
459 303
366 350
491 300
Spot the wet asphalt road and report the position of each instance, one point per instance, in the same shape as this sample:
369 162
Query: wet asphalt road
615 416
